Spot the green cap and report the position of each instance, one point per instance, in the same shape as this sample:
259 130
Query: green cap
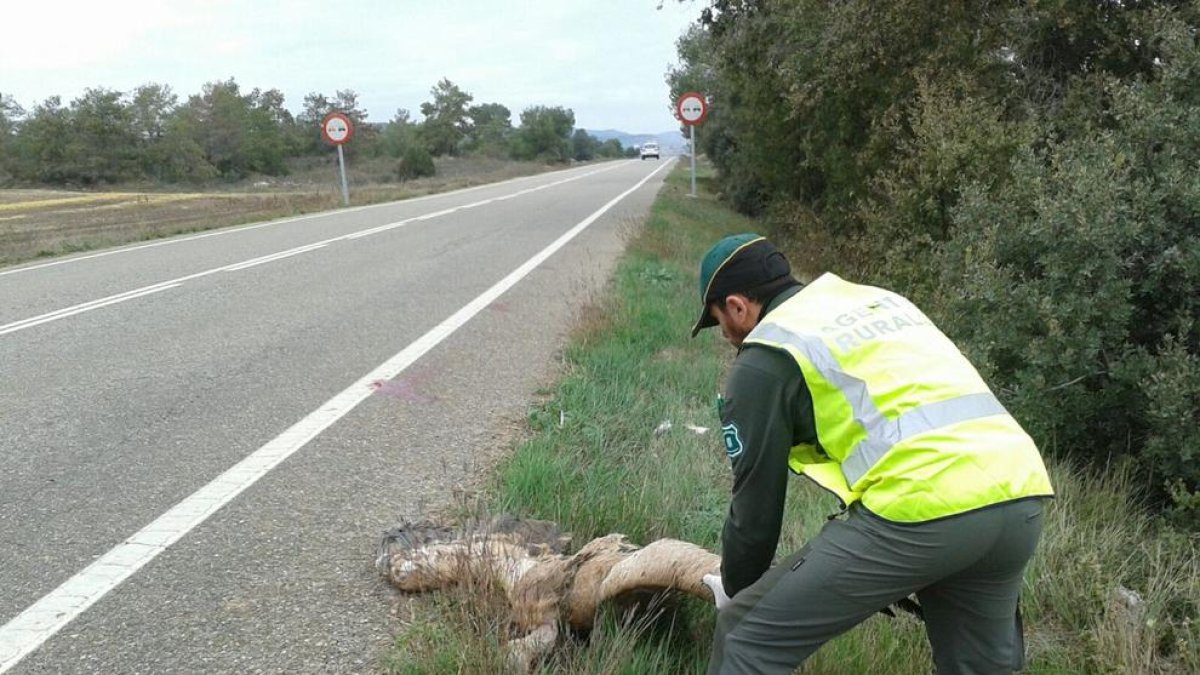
737 263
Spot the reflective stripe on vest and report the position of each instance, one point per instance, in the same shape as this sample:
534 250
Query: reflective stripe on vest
882 433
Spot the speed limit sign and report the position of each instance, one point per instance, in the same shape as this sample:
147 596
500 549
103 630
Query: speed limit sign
336 128
691 108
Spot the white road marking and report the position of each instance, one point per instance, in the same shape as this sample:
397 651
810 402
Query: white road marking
87 306
276 256
40 621
281 221
270 257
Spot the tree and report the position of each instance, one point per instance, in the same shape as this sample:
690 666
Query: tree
237 133
1033 157
266 145
545 134
91 142
306 132
366 136
151 108
397 135
401 140
583 145
345 101
446 123
10 116
217 119
177 157
40 147
612 149
104 143
491 129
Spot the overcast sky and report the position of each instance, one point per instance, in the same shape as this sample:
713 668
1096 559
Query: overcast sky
604 59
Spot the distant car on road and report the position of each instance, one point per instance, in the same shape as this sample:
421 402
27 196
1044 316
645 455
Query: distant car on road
650 150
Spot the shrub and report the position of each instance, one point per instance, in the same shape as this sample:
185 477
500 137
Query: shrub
1076 288
1027 175
415 162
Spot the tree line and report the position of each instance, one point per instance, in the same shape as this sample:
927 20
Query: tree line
1027 171
223 133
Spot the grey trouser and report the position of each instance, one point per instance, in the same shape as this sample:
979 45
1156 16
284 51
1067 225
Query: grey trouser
966 572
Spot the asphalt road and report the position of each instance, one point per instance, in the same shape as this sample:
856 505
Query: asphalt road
194 465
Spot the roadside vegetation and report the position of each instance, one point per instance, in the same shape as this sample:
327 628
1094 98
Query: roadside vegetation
1112 589
41 222
114 167
1024 171
223 134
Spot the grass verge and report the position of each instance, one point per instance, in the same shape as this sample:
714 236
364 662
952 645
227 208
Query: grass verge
1109 592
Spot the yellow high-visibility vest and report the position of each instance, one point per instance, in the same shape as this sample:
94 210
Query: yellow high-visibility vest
905 423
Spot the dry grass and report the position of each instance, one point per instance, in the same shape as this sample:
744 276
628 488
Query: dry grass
37 223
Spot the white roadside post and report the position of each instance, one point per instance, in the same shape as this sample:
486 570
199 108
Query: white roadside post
691 108
337 130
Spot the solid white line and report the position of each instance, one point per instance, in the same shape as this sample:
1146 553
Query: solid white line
270 257
40 621
281 221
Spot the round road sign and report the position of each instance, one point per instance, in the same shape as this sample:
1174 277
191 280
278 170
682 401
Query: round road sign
336 128
691 108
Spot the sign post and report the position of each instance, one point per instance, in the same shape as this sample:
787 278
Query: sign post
691 108
337 130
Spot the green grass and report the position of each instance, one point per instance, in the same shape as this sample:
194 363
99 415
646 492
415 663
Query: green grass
592 463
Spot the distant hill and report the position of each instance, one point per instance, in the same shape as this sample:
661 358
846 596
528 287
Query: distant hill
670 142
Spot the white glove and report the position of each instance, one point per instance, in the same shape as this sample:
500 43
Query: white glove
713 581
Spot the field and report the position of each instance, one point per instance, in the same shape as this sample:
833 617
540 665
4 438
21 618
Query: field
36 223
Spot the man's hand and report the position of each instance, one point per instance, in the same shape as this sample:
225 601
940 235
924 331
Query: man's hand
713 581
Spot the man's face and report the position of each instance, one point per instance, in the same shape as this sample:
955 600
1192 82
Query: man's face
736 319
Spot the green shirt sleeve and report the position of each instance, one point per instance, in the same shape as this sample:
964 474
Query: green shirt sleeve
766 409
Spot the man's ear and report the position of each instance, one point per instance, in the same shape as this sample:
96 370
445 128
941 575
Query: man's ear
736 305
742 311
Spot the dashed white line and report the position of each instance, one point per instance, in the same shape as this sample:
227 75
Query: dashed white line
271 257
36 624
244 228
275 256
85 307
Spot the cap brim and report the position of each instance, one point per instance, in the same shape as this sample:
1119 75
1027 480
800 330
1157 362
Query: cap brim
706 321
